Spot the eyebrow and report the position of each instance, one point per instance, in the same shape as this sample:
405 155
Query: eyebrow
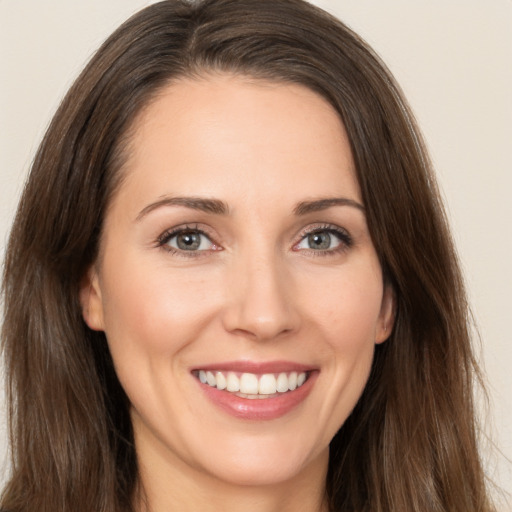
306 207
195 203
218 207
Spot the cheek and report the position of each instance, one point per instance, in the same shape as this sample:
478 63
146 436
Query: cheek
155 310
347 306
347 314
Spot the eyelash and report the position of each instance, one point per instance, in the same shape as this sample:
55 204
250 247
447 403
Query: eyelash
164 238
346 241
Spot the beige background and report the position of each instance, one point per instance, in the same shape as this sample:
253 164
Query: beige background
454 61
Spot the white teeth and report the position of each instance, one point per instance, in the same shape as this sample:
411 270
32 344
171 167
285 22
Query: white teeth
210 378
292 381
282 383
221 380
267 385
233 383
250 385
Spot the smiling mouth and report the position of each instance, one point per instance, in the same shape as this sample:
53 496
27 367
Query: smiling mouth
252 385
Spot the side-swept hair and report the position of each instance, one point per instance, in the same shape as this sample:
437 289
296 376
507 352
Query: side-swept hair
410 444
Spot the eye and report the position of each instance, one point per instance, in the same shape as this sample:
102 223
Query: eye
190 241
187 240
327 240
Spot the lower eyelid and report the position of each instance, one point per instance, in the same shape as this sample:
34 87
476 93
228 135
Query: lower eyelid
345 240
342 235
163 241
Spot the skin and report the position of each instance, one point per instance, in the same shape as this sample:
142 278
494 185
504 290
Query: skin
256 290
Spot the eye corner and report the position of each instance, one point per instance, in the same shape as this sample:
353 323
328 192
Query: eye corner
196 241
327 235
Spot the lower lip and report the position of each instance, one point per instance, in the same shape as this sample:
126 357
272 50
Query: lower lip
259 409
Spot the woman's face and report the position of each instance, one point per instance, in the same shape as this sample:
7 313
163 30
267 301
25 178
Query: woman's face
236 251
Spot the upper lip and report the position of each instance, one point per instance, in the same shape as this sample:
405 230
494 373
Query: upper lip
256 367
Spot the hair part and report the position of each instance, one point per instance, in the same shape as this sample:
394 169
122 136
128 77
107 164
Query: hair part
410 443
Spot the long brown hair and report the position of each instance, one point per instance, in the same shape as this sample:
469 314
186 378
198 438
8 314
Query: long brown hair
410 444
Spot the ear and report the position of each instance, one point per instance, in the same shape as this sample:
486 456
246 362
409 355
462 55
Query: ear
387 314
91 300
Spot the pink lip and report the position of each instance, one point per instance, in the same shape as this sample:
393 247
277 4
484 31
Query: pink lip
259 409
257 368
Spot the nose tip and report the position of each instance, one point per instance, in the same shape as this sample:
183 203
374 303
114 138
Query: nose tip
261 327
260 305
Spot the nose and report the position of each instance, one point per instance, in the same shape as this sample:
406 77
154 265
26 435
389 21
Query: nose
260 303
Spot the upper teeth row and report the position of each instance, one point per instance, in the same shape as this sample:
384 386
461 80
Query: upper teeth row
252 384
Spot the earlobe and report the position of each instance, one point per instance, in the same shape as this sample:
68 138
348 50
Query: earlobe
387 315
91 300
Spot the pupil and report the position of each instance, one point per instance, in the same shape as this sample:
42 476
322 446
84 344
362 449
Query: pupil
189 241
320 240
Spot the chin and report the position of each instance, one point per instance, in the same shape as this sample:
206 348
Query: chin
263 464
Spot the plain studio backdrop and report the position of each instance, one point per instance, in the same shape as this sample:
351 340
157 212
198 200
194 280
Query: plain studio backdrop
453 58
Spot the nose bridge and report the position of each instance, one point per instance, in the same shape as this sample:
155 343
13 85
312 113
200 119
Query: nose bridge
260 301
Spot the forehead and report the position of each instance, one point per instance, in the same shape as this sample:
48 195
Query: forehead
229 137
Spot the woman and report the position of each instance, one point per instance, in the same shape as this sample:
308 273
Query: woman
230 284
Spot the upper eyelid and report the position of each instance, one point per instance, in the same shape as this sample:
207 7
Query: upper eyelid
313 228
163 243
206 231
343 234
172 232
